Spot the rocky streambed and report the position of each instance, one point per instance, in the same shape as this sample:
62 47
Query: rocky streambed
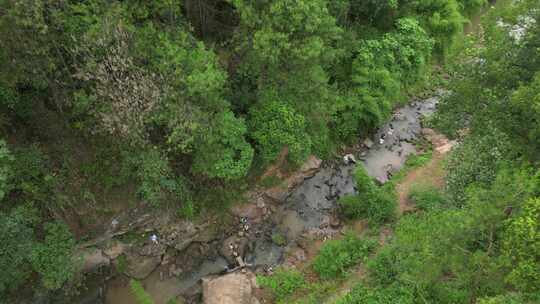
178 259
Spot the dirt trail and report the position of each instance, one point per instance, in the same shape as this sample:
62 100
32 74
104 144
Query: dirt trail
431 174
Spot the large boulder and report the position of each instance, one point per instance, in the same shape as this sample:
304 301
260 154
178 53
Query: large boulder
114 249
180 235
233 288
311 166
92 259
139 267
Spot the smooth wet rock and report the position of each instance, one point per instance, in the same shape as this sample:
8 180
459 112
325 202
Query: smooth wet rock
234 288
92 259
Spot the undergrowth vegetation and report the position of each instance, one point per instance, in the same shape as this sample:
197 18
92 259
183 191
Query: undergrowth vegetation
377 204
336 256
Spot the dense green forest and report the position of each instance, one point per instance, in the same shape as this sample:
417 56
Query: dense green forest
181 104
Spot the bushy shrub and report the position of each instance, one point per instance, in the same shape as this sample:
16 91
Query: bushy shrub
336 256
376 204
283 282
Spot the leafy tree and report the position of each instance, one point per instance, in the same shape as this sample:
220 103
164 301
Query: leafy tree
17 241
526 110
521 247
52 258
287 47
380 69
5 169
121 95
224 153
275 125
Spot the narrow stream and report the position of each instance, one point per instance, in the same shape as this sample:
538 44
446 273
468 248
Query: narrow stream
307 210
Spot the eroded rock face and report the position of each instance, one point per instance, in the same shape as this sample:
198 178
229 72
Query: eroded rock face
234 288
